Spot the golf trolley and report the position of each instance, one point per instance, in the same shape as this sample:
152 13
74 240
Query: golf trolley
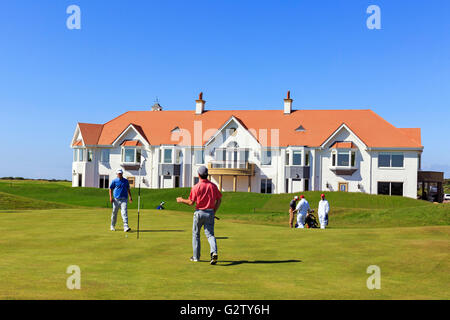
310 220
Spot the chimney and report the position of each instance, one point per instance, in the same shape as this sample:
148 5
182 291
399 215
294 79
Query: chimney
156 107
288 103
200 104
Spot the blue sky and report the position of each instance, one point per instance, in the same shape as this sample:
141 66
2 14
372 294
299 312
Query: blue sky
241 54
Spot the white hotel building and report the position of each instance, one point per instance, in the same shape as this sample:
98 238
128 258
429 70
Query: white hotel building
269 151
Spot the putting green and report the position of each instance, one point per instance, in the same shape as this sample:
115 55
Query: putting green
255 261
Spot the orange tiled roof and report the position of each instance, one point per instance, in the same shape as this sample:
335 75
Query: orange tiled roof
319 125
90 132
132 143
78 143
343 145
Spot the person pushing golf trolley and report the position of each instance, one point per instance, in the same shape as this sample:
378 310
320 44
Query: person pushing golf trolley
119 190
207 198
302 210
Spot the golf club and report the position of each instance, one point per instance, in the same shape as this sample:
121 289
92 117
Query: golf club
139 193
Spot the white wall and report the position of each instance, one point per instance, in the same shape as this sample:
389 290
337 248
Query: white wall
362 163
407 174
367 175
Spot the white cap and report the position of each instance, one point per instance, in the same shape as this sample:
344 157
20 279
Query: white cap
119 171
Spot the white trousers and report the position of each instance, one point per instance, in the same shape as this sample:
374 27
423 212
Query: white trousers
323 220
122 204
301 220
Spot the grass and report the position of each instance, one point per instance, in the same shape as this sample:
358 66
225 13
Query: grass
256 261
347 209
13 202
259 257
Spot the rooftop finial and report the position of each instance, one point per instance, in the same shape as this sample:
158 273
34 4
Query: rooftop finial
288 94
200 96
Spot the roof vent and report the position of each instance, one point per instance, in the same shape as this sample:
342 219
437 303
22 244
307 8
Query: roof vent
175 129
300 129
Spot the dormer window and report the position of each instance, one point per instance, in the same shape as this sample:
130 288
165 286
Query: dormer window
343 158
131 152
131 155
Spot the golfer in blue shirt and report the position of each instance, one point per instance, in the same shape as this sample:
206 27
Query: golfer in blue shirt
119 190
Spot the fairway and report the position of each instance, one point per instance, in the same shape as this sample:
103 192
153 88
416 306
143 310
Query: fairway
256 261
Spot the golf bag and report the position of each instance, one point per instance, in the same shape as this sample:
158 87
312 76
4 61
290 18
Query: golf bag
311 221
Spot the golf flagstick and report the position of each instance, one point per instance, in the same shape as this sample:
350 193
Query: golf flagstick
139 195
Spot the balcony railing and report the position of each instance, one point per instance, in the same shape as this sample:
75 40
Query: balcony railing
231 168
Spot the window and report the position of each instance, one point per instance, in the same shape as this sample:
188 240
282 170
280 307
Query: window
104 156
221 154
138 155
199 157
384 188
287 157
75 155
390 188
80 155
89 155
397 160
307 159
178 156
128 155
266 185
266 157
390 160
104 182
243 156
167 155
396 188
343 159
297 158
131 155
384 160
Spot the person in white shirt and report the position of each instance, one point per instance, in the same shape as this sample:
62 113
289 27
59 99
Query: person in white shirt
324 208
302 210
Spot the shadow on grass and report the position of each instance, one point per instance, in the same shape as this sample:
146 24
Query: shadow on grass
234 263
221 238
133 231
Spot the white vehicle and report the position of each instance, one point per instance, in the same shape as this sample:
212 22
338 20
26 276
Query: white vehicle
447 196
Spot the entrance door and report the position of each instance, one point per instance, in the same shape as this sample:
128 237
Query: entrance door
131 182
80 180
343 186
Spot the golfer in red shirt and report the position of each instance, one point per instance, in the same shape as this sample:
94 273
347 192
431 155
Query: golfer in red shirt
207 198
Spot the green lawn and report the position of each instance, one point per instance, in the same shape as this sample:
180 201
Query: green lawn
47 226
256 261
